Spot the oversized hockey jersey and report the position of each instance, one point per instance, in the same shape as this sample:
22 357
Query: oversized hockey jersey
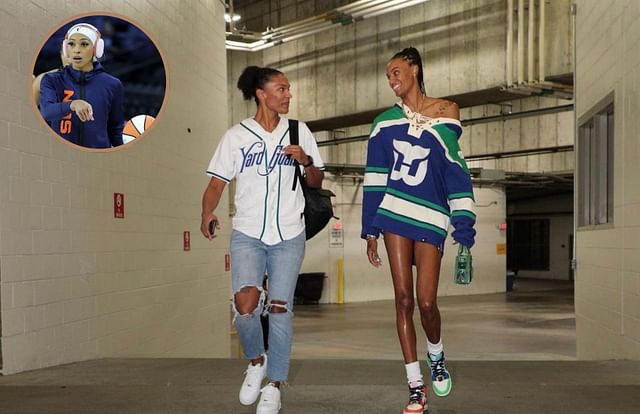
416 181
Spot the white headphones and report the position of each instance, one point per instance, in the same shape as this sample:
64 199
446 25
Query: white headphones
89 31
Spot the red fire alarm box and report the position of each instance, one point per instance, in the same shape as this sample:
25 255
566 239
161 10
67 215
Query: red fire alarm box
186 241
118 205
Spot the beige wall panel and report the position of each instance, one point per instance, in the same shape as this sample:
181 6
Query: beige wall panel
479 138
82 284
366 77
346 95
607 61
326 76
529 126
387 44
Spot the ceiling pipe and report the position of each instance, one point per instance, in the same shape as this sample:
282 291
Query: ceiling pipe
277 33
388 5
360 10
509 62
530 41
534 84
325 17
359 6
295 25
301 35
520 54
309 21
541 43
322 18
306 26
331 18
393 8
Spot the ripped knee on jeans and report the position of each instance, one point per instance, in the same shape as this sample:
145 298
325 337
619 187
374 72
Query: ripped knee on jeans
277 306
247 301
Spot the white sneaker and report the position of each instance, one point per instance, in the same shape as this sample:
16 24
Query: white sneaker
250 389
269 400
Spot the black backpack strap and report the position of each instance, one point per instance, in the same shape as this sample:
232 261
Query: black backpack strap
294 140
293 132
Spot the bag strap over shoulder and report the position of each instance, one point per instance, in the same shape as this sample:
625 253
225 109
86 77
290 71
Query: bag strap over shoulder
294 140
293 132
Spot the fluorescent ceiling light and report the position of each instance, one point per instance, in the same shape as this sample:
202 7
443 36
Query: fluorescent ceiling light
231 18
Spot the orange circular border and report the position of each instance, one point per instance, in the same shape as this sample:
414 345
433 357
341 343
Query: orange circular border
167 88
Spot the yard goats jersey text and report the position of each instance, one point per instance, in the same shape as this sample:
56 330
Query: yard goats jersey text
416 180
266 206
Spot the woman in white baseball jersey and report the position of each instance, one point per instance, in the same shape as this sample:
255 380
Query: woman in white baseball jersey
268 234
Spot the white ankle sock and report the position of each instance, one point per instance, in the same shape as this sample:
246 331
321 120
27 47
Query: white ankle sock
434 349
413 372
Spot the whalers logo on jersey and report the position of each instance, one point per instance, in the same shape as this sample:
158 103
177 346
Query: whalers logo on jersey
410 163
255 155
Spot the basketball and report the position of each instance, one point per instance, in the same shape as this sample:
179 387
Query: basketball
135 127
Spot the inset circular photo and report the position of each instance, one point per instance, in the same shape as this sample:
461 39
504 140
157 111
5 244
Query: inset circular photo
99 82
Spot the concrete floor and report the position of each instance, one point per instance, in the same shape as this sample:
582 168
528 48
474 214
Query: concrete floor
534 322
512 353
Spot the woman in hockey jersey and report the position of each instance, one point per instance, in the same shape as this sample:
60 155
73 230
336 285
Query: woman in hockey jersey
416 184
82 103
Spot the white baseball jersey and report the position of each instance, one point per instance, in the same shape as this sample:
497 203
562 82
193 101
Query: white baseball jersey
266 206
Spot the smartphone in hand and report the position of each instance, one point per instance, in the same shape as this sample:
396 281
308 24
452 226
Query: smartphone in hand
212 227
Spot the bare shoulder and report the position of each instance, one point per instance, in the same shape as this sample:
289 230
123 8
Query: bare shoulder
446 109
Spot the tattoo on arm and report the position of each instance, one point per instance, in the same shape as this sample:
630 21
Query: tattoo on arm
443 107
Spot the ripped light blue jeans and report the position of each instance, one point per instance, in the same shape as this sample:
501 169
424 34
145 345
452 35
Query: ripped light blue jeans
251 260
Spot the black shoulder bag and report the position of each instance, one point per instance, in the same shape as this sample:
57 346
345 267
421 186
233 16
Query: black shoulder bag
317 201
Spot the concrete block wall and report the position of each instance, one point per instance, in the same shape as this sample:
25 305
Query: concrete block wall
341 71
544 131
76 283
463 45
346 62
607 278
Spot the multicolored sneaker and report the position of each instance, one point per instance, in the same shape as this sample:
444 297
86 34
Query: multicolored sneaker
417 399
440 377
